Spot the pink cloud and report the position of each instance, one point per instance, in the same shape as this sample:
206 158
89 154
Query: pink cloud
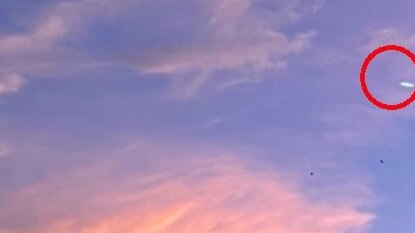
169 190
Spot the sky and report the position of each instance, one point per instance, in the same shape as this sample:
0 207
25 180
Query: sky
192 116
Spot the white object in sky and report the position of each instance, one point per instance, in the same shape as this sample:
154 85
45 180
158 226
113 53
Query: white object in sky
407 84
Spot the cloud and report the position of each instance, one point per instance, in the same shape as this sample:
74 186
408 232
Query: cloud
389 36
359 125
240 37
42 37
43 49
4 150
60 21
11 83
157 189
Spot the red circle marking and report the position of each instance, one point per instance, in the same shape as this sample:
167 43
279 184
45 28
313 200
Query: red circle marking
363 71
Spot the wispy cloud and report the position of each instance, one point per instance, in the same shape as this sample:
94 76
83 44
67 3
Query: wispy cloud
240 36
41 49
389 36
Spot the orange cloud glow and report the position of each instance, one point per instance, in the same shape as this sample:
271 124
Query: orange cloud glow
215 194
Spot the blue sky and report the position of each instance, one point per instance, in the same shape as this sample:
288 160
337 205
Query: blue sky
204 116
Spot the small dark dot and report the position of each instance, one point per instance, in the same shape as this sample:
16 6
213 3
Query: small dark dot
381 161
311 173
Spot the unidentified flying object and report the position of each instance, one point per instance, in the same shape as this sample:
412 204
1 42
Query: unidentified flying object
407 84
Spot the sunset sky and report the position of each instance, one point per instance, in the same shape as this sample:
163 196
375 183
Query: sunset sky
204 116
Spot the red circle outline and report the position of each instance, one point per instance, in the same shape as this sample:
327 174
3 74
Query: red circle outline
365 66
